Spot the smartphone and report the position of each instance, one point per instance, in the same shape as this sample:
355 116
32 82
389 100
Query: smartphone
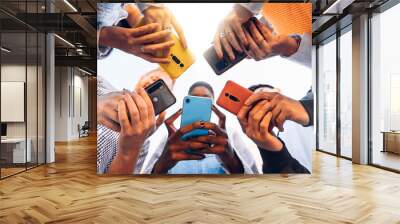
180 59
195 109
233 96
223 65
161 96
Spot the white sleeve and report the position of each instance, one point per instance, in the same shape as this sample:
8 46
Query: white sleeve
144 6
303 54
246 152
253 7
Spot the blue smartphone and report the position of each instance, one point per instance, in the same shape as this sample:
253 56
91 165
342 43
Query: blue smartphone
195 109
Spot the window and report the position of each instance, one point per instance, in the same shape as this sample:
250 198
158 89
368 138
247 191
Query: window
385 89
346 92
327 96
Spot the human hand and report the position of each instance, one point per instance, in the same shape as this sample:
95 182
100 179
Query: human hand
256 124
282 107
164 17
143 41
107 110
137 121
263 43
230 34
175 148
219 143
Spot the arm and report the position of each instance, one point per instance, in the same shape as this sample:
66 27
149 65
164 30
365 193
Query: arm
308 103
280 161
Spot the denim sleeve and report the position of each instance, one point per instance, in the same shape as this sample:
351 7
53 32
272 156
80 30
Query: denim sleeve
108 14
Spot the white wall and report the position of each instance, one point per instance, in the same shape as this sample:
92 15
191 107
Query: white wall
69 85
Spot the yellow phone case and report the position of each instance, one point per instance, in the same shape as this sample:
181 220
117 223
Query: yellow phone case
180 59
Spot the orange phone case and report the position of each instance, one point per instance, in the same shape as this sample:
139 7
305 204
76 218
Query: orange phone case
233 96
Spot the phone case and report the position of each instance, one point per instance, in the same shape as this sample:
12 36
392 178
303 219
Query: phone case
180 59
160 95
223 65
233 96
195 109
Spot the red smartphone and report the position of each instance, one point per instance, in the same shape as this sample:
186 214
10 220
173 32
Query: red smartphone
233 96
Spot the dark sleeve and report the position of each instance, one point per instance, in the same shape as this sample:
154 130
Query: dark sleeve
280 162
308 104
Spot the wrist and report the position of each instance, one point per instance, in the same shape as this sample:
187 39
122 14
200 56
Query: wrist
273 145
292 45
242 12
301 115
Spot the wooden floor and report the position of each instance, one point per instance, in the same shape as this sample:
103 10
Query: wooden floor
69 191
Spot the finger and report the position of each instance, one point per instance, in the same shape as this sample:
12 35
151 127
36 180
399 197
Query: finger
259 40
110 113
255 34
210 126
227 47
232 39
220 115
265 30
169 122
190 144
218 149
153 37
259 96
239 31
257 113
179 31
243 115
217 46
211 139
280 120
254 47
123 116
149 103
153 59
141 105
110 124
265 123
276 112
146 29
153 48
160 118
186 156
133 111
196 125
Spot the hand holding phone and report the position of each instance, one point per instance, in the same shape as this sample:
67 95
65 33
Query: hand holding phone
195 109
180 59
233 96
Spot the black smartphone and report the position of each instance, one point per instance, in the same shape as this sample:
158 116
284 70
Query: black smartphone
160 95
223 65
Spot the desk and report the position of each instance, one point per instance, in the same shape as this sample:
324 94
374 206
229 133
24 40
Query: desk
391 141
13 150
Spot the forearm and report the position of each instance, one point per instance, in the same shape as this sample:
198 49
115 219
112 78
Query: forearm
232 162
111 36
123 163
280 162
162 166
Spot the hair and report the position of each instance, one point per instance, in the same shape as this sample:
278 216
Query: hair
258 86
201 84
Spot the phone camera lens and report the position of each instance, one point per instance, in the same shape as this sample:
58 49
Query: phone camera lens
182 65
227 94
187 100
155 99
